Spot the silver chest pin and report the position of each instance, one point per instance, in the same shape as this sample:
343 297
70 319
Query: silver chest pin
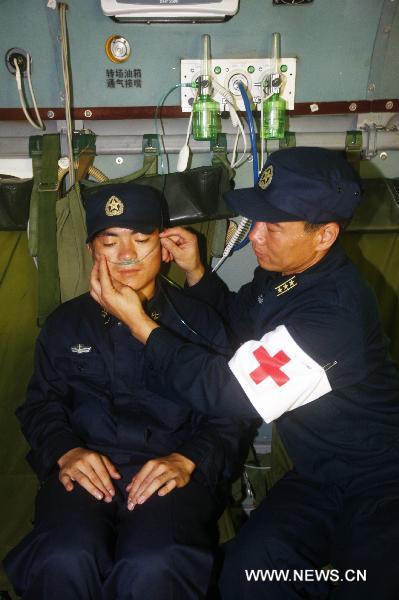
80 349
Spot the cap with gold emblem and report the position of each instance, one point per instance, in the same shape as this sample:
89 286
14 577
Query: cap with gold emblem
128 205
300 184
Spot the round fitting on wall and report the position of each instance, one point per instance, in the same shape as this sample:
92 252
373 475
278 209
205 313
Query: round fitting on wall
21 56
117 49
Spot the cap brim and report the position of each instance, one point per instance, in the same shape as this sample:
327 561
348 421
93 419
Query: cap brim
138 228
251 203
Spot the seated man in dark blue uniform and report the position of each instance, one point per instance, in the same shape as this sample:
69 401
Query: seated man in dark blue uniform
314 360
96 432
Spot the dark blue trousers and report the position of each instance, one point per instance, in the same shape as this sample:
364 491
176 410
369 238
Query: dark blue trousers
302 526
84 549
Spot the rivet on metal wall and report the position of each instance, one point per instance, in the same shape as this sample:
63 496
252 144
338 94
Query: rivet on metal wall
50 114
314 107
119 160
383 155
389 105
371 87
352 106
87 113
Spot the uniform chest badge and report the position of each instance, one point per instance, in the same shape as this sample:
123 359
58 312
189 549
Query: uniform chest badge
266 178
114 207
286 286
155 315
260 299
80 349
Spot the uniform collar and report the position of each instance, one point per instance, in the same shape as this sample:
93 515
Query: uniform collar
154 306
285 283
334 258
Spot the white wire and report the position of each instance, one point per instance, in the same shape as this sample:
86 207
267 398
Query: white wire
181 166
18 80
232 163
158 117
189 127
28 70
243 156
236 122
244 222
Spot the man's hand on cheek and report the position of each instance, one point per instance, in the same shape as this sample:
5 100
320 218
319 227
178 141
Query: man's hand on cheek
120 300
160 475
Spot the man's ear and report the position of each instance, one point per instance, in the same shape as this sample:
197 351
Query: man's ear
327 235
90 248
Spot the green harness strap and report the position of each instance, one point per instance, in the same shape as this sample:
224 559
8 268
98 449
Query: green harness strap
45 152
74 260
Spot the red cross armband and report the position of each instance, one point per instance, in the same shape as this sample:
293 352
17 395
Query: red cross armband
277 375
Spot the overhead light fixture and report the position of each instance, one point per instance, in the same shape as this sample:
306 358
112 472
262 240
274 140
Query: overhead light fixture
170 11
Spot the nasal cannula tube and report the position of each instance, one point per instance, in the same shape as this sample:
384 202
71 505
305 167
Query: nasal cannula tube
131 261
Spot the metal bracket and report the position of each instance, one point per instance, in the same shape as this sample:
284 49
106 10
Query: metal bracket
354 147
151 148
288 141
272 84
371 141
218 148
83 141
151 143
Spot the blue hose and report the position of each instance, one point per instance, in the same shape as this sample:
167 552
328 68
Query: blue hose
252 134
250 120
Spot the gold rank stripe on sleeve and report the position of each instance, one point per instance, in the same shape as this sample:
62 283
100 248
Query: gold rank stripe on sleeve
286 286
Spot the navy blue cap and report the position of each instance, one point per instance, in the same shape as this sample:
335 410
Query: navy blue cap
127 205
300 184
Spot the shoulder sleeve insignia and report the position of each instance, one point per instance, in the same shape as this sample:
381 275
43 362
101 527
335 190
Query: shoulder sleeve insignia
114 207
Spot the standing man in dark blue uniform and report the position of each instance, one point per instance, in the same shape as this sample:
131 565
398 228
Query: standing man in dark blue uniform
313 359
97 434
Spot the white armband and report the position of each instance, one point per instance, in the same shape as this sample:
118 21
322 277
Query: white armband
277 375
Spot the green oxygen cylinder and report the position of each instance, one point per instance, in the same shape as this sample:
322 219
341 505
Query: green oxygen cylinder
274 118
206 118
